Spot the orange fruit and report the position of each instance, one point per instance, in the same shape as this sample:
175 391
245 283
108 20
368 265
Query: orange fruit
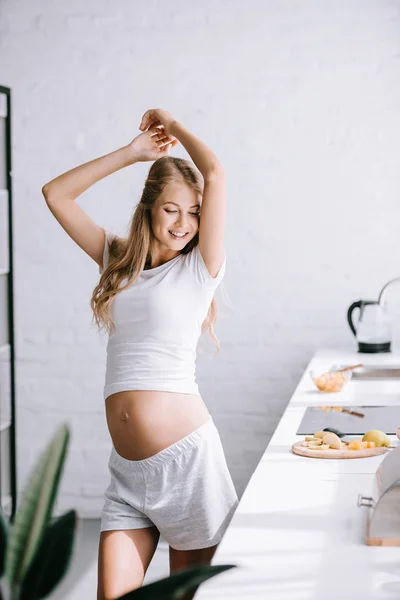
355 445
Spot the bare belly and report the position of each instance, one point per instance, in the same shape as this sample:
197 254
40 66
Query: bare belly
144 422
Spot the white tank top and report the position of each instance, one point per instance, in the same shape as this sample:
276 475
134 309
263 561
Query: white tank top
158 324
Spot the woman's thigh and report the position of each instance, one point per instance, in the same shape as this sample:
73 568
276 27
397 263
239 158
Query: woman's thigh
123 559
183 559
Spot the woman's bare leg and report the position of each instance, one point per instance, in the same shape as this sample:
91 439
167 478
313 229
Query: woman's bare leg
183 559
123 559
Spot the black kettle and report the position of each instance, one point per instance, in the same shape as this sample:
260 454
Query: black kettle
373 330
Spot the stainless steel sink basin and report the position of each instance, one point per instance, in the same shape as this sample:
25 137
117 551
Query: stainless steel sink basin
376 372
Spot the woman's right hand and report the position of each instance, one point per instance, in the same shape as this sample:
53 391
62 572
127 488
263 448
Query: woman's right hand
151 144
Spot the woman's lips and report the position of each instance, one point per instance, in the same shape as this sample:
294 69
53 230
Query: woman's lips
178 237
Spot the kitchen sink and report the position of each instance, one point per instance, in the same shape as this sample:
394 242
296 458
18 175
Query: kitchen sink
376 372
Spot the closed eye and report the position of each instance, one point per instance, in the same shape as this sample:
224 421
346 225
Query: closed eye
197 214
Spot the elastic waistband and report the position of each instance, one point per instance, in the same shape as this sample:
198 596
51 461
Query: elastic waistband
167 454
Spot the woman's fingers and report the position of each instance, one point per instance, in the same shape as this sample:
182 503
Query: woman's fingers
149 118
167 143
158 130
167 147
152 125
159 138
160 135
154 131
164 142
145 121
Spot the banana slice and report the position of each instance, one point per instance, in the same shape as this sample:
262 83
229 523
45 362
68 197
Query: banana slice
320 447
314 443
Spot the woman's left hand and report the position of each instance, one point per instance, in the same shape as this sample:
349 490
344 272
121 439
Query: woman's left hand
159 118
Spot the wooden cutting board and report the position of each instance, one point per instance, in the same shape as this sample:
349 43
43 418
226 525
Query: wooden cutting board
297 448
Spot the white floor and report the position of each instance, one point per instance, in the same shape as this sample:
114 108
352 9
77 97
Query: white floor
81 578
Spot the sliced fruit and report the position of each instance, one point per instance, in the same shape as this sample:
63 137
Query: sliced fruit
332 439
319 434
355 445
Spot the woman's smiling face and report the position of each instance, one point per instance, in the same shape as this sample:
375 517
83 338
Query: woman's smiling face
176 210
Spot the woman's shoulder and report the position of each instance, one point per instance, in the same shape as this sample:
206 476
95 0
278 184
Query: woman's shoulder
196 265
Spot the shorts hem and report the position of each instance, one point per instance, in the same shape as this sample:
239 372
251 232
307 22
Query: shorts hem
199 546
119 526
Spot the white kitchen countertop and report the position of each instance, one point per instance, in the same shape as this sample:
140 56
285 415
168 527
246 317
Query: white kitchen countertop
297 533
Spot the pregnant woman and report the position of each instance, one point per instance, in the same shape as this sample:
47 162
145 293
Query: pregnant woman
155 297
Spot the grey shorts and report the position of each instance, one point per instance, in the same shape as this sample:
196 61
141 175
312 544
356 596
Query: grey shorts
185 490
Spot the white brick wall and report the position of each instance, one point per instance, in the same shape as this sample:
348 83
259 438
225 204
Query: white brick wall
300 100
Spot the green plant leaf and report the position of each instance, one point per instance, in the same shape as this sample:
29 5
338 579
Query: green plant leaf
34 513
4 527
177 585
52 558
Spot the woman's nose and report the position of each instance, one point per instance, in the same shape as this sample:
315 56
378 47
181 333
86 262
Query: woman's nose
182 222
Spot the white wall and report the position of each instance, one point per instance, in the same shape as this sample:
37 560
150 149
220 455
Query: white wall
300 100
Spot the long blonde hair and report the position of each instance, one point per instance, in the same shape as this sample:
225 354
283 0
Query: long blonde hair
128 257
